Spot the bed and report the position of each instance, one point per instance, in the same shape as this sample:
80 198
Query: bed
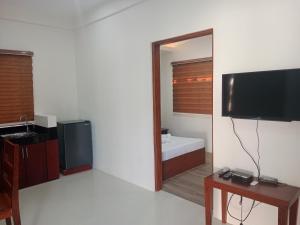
180 154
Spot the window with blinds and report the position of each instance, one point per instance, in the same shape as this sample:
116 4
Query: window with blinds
192 86
16 86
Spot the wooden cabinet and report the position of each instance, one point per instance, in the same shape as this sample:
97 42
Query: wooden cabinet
33 168
38 163
52 152
36 168
22 169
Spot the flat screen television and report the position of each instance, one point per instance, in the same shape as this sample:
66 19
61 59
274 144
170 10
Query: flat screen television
266 95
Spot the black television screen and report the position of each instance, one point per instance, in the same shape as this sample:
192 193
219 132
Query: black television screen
267 95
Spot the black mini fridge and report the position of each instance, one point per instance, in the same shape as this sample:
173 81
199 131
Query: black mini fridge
75 146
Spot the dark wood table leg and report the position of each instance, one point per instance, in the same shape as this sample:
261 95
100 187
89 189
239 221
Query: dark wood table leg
283 216
224 206
294 213
208 203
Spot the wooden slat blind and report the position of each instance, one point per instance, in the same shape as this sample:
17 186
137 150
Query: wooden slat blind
192 86
16 86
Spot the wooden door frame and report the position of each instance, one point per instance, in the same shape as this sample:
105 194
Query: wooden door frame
156 97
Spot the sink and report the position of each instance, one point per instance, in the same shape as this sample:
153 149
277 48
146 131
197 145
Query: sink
19 135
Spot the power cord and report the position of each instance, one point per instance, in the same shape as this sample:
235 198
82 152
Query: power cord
257 165
241 203
257 204
258 147
241 220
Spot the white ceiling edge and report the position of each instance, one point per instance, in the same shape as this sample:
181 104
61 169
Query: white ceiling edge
41 24
55 13
82 19
105 11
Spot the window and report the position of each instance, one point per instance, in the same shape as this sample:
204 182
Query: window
16 86
192 86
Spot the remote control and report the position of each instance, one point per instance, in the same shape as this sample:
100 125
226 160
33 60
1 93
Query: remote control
223 171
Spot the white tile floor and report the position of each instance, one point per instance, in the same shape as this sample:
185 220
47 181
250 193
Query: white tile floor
95 198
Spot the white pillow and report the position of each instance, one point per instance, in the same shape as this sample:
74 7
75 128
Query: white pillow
165 138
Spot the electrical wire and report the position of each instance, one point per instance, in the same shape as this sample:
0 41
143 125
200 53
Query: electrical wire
257 149
257 204
229 213
244 148
248 214
257 165
252 207
241 203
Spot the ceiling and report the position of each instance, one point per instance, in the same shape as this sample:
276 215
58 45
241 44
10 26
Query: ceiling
57 13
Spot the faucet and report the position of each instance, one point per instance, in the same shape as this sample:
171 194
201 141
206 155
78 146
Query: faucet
25 118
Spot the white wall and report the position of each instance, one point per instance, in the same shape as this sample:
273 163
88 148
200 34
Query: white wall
54 75
184 124
115 83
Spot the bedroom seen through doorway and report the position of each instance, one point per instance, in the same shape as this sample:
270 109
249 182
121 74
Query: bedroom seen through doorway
186 96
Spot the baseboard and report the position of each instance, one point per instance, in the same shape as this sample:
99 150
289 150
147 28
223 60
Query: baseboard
76 169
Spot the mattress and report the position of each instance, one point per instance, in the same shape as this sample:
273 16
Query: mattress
176 146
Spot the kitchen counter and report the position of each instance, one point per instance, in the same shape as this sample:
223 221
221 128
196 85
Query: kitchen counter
38 152
18 134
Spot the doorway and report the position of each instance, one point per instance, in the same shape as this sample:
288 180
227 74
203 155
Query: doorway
183 96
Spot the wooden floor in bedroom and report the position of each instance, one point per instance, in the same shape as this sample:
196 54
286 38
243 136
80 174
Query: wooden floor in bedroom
190 184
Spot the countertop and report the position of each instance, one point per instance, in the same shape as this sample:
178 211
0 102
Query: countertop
36 134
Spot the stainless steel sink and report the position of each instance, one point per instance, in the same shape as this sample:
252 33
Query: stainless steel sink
19 135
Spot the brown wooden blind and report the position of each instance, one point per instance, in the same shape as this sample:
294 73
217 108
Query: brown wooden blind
16 86
192 86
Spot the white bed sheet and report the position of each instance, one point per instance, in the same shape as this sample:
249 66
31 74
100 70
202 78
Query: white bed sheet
177 146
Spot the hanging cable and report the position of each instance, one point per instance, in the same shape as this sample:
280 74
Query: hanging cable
257 204
241 203
257 165
241 220
229 213
258 148
244 148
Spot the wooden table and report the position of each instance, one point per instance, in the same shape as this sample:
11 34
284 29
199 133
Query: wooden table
283 196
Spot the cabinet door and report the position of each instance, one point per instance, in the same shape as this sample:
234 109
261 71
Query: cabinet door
22 170
36 167
52 159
